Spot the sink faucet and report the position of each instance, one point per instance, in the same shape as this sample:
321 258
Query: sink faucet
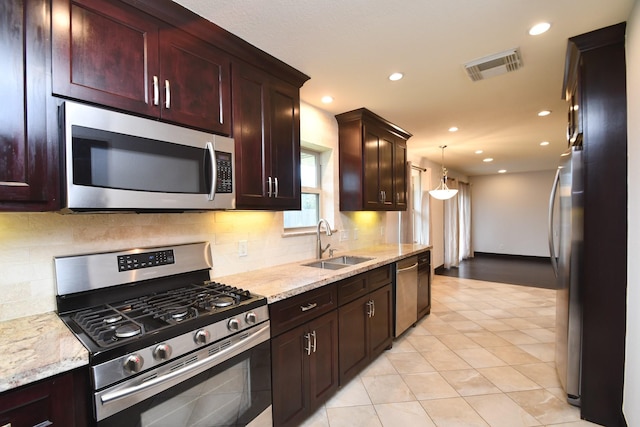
327 228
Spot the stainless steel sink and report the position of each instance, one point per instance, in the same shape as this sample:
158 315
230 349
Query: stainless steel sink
326 265
338 262
349 260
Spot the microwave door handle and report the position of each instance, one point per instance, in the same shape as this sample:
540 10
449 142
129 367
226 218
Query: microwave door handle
214 170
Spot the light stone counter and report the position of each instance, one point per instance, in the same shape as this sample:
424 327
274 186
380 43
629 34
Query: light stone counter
287 280
36 347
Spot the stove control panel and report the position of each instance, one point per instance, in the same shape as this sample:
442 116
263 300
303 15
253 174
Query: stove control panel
145 260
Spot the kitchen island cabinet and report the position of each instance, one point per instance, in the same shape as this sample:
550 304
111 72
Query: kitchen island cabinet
373 162
28 153
110 53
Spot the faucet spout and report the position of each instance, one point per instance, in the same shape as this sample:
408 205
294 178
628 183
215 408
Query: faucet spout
319 249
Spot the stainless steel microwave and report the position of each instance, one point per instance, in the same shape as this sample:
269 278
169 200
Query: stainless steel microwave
119 162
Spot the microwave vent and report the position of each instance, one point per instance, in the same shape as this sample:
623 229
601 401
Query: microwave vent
494 65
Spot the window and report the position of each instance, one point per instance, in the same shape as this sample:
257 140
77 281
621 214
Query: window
311 190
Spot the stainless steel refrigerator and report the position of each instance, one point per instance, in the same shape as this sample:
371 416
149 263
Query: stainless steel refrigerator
566 235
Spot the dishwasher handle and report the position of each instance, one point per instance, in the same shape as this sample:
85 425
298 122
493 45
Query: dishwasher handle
412 267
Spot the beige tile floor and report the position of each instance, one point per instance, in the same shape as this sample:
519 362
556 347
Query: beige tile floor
483 357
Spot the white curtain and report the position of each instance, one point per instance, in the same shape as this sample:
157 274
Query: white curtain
464 219
424 233
451 229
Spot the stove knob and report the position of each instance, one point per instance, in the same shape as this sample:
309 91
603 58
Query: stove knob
251 318
133 363
162 352
201 337
233 325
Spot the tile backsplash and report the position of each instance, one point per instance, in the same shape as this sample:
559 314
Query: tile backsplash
30 241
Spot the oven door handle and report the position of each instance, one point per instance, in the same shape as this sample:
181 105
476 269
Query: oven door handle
175 377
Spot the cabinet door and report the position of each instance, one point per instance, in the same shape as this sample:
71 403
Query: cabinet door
323 367
105 52
381 323
371 178
195 82
385 170
353 338
289 365
400 175
284 151
27 161
250 131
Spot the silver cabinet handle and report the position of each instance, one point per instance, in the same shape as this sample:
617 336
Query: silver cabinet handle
373 308
307 347
308 306
315 340
276 185
167 94
156 93
368 308
269 187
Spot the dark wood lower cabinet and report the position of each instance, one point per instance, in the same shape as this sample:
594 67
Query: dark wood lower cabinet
304 369
57 401
365 331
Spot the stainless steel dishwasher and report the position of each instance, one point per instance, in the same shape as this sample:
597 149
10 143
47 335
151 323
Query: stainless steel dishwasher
406 295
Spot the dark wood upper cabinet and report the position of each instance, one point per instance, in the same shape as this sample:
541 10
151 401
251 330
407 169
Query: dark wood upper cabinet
110 53
373 162
28 153
266 130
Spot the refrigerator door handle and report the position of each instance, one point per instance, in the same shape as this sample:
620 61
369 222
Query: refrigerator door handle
552 202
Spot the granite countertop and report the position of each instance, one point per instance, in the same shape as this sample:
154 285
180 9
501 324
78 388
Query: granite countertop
287 280
40 346
37 347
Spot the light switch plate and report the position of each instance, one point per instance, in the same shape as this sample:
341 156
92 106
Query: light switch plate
242 248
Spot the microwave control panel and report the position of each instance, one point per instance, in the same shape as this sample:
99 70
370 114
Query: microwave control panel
224 165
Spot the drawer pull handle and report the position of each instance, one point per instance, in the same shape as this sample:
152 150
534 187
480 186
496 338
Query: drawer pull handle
308 307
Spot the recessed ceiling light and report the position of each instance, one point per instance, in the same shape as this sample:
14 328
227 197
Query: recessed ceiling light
487 160
544 143
502 171
453 129
544 113
540 28
396 76
327 99
479 151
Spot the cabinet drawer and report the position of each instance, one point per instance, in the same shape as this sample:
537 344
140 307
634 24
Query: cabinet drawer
291 312
352 288
379 277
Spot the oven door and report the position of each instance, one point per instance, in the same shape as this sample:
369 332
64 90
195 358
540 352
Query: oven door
204 392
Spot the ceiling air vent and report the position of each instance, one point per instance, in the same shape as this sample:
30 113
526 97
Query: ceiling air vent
494 65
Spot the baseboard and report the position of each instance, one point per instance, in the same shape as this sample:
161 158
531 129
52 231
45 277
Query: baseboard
514 257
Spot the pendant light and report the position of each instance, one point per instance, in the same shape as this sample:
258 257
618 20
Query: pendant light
442 192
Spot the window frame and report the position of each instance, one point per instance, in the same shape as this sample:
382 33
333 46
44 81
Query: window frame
318 190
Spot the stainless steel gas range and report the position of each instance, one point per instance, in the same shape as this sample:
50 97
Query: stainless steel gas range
167 346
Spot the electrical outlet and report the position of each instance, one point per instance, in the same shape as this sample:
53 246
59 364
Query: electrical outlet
344 235
355 234
242 248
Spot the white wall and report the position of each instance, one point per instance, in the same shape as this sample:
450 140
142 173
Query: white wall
509 213
632 364
29 241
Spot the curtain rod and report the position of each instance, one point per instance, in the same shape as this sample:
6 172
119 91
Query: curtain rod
418 168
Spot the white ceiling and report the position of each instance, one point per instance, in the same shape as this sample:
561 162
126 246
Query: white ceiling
349 47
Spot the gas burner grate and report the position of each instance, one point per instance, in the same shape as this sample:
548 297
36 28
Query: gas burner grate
111 324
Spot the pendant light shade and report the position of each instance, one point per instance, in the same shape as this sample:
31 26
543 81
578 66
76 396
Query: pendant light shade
442 192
